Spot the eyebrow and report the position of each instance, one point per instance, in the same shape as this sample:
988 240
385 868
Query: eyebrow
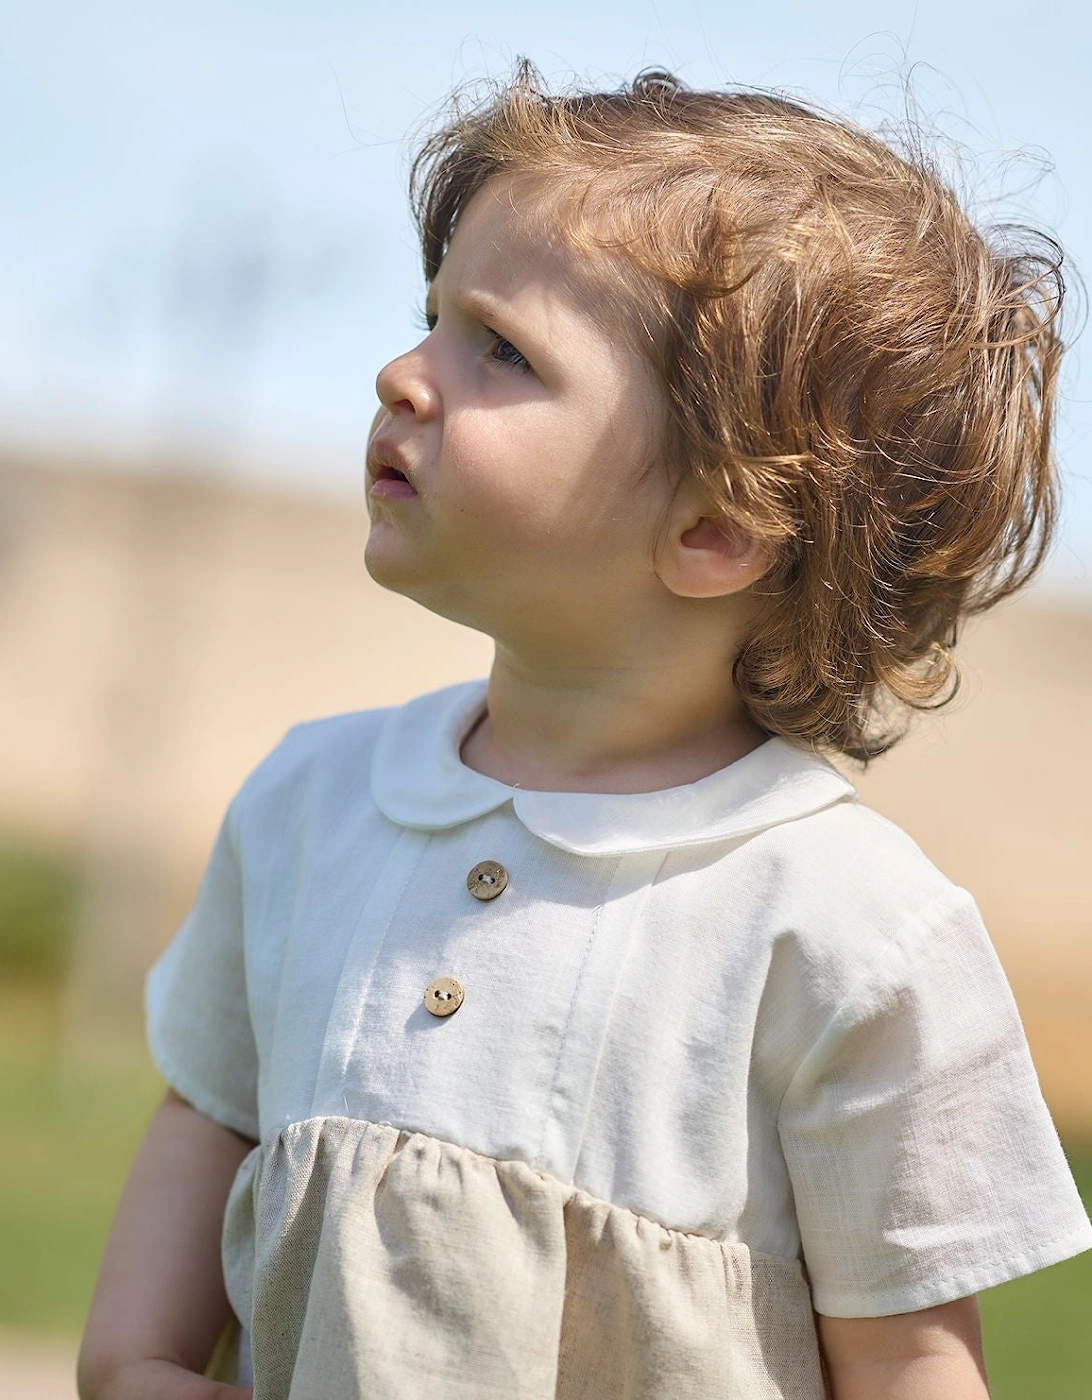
475 304
501 320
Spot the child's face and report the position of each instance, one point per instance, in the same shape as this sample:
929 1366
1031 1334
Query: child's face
524 424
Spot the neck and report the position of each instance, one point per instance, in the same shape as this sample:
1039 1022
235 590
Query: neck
609 728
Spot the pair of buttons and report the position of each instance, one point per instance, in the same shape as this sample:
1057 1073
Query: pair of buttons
487 880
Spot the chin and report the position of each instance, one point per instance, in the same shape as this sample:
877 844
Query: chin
400 575
397 575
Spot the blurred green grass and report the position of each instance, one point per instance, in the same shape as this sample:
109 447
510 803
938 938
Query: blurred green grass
73 1128
40 889
78 1124
1037 1329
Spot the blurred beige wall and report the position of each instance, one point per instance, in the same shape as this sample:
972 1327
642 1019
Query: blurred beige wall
159 634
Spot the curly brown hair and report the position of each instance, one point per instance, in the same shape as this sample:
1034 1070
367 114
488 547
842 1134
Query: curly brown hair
854 372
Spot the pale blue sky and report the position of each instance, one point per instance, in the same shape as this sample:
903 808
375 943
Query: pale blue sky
203 225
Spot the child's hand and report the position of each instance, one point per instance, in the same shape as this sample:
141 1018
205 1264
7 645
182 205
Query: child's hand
163 1380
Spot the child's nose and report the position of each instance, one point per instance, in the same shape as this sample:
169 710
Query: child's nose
405 385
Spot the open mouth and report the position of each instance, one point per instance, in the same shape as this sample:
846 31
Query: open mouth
390 483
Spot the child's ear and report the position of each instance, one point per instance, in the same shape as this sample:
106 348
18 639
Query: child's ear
703 558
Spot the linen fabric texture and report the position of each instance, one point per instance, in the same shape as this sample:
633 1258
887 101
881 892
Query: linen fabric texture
728 1052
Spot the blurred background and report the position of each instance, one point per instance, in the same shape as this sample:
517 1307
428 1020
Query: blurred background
205 257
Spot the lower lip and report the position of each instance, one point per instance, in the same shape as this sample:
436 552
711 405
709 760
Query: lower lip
390 488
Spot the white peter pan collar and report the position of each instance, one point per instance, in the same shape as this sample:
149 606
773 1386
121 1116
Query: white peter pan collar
418 780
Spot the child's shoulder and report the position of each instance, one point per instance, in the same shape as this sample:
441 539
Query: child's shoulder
333 755
860 894
340 741
850 846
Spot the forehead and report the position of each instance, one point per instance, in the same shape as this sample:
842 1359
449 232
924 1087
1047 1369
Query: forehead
511 241
502 240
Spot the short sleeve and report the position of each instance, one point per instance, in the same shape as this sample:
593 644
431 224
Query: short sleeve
198 1022
924 1163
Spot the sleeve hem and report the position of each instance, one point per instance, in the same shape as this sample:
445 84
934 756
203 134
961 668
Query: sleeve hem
211 1105
946 1288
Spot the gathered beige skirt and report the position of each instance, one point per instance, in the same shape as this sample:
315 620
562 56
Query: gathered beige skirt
369 1263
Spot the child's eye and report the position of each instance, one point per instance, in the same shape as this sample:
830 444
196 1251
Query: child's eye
500 349
505 352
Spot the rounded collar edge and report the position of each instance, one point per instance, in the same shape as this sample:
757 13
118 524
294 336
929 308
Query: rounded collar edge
418 780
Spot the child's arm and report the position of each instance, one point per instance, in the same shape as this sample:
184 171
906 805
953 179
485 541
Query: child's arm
935 1354
159 1304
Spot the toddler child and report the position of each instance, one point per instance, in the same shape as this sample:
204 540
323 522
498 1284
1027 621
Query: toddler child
578 1033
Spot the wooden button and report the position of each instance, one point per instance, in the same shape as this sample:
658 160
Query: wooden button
487 880
444 996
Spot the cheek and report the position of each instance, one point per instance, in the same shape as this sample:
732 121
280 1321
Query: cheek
520 469
534 474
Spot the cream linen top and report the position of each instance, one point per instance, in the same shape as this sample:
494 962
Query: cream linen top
727 1052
